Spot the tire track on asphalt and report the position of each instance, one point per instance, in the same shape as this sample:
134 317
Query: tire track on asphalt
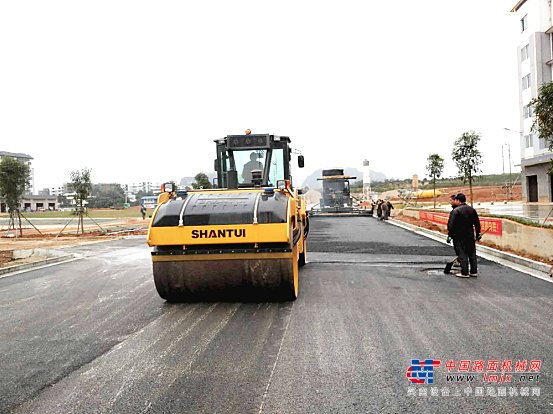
276 361
87 380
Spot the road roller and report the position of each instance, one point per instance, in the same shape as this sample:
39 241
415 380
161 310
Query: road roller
244 239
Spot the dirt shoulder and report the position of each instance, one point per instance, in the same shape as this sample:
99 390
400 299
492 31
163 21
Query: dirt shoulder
481 194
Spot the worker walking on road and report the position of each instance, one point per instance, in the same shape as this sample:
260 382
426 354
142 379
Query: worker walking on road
464 228
143 212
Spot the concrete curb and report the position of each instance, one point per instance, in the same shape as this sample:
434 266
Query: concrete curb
57 256
38 263
480 250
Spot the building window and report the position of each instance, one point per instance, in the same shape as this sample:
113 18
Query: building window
524 53
524 23
526 82
543 143
527 112
528 141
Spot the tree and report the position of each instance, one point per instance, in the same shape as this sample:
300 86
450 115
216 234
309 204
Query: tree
107 196
467 157
202 181
14 179
82 187
435 168
542 107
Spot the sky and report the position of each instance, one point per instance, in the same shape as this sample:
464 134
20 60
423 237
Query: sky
138 90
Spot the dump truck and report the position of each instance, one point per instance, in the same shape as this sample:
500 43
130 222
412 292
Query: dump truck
245 239
336 195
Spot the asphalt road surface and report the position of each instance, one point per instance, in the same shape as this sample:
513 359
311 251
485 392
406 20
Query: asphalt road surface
93 336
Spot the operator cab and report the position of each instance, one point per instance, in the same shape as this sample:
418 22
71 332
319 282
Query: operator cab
253 160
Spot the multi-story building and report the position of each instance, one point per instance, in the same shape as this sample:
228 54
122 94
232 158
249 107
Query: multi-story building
59 191
535 64
27 160
145 187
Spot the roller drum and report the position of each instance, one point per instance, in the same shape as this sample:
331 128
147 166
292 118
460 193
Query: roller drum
245 279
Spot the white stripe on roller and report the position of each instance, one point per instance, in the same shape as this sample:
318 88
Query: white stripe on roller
255 208
181 221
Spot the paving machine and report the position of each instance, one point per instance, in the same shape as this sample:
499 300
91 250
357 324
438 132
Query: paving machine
336 197
244 240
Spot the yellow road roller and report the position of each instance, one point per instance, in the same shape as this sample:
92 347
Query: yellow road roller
244 239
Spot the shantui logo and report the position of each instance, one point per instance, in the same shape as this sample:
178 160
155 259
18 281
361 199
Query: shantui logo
218 234
422 371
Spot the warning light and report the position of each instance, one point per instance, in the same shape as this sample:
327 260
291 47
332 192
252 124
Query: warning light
248 131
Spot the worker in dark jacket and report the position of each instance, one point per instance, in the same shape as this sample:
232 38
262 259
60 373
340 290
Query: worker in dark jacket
385 210
390 207
379 209
464 229
454 203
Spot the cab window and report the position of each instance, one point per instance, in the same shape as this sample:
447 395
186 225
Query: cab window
276 170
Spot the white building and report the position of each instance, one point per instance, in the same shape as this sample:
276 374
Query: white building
535 60
27 160
145 186
62 190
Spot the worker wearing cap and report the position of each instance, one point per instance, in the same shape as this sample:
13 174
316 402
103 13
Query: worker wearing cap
462 227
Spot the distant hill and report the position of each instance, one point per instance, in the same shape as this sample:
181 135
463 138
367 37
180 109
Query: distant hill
311 180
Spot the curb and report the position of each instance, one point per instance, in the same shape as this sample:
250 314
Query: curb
480 249
38 263
57 257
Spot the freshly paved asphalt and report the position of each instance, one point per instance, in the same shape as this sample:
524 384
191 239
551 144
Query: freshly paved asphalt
93 336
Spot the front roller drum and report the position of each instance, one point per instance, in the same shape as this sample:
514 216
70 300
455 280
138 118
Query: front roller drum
191 278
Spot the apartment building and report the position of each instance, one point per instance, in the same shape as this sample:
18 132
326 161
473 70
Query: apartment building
535 60
145 186
62 190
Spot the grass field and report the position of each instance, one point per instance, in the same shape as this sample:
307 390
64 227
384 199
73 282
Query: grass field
101 213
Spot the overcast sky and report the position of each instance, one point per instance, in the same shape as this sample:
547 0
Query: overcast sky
138 91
